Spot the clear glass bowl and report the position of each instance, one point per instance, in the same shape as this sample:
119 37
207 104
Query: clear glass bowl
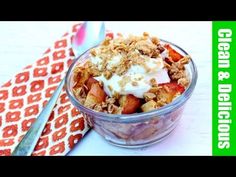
139 129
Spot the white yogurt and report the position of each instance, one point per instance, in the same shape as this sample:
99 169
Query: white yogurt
136 73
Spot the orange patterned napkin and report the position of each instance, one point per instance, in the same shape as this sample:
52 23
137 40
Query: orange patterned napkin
22 99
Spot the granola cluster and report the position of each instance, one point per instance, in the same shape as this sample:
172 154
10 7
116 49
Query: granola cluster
133 50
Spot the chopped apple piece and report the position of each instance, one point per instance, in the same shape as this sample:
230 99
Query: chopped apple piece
95 95
129 104
173 87
151 105
170 90
175 56
90 81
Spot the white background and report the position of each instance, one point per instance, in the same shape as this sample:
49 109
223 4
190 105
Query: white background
21 43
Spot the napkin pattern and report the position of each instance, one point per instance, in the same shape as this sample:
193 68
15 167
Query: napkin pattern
23 97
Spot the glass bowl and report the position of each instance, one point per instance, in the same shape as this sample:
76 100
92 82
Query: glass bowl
138 129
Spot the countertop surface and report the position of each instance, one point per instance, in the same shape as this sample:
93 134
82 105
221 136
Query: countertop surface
21 43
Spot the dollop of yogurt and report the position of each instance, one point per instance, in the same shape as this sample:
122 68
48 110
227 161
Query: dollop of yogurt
136 80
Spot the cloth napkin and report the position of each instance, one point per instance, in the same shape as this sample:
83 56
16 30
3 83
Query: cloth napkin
23 97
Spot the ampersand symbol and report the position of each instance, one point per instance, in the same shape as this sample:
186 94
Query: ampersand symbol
223 75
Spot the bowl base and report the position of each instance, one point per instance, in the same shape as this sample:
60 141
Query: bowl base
144 145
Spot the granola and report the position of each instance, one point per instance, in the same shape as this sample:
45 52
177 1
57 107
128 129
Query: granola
131 75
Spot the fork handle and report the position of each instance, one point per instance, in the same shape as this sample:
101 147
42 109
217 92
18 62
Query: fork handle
29 141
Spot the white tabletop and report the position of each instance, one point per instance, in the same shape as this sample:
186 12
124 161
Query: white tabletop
21 43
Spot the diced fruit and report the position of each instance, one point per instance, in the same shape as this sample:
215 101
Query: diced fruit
151 105
169 91
90 81
98 92
174 87
173 53
95 95
129 104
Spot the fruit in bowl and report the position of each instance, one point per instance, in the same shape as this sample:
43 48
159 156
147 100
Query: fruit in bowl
132 90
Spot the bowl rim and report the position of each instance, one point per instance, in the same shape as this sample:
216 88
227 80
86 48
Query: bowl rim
136 117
